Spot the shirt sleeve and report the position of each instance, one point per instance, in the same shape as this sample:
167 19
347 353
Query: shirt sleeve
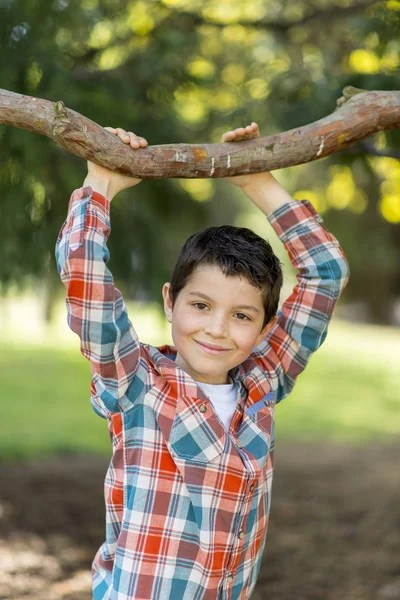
323 272
95 307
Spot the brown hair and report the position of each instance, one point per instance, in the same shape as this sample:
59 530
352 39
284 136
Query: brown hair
236 251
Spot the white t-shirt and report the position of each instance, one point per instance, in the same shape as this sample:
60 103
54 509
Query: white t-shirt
223 399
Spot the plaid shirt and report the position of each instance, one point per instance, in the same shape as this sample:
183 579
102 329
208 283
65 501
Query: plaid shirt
187 503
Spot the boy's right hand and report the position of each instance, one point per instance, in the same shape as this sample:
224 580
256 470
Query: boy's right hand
107 182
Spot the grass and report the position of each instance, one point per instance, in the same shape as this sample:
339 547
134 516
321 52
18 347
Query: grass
349 392
46 406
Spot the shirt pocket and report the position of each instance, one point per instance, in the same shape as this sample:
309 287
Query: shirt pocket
262 412
196 435
256 429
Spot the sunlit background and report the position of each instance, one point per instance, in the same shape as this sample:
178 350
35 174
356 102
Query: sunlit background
186 71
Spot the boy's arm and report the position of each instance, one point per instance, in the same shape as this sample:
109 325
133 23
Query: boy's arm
323 272
96 310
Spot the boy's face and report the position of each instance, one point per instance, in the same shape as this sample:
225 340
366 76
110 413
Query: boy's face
210 310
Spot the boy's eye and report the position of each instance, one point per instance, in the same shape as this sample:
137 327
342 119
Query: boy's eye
242 317
199 304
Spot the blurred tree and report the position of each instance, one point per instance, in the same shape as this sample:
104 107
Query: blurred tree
180 70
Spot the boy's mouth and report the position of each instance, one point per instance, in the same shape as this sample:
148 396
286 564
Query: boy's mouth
211 349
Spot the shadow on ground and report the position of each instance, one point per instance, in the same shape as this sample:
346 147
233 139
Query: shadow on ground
334 530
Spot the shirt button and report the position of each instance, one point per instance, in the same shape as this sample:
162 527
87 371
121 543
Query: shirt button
239 406
251 488
229 578
266 402
238 445
203 408
241 534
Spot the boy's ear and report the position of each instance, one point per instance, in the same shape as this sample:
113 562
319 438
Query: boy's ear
167 301
266 329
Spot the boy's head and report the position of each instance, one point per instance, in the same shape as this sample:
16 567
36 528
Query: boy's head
219 272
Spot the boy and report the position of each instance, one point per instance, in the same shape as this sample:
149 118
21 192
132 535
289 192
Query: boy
188 487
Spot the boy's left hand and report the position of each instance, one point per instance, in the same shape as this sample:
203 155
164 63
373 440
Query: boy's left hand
245 133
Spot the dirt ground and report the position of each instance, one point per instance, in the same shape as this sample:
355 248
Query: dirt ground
334 530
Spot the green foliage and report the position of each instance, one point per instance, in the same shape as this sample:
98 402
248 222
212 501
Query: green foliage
185 71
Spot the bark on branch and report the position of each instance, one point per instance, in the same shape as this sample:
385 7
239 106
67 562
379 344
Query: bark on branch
359 114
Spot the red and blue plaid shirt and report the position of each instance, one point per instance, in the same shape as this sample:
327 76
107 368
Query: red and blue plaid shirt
187 502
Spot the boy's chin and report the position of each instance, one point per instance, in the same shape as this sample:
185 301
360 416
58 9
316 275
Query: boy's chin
205 373
205 369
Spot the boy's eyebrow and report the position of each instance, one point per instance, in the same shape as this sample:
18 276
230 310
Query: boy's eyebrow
242 306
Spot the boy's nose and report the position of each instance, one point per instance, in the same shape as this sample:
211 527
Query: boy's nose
216 327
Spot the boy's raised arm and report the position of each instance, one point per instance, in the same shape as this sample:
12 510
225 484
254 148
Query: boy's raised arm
323 272
96 310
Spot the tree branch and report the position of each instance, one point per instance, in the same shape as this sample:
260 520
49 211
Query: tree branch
359 114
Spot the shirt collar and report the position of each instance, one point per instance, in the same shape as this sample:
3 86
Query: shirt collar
253 381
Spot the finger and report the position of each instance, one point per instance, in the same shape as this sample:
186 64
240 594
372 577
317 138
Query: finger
112 129
236 135
123 135
137 141
134 140
227 136
249 132
230 136
242 134
255 129
251 129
